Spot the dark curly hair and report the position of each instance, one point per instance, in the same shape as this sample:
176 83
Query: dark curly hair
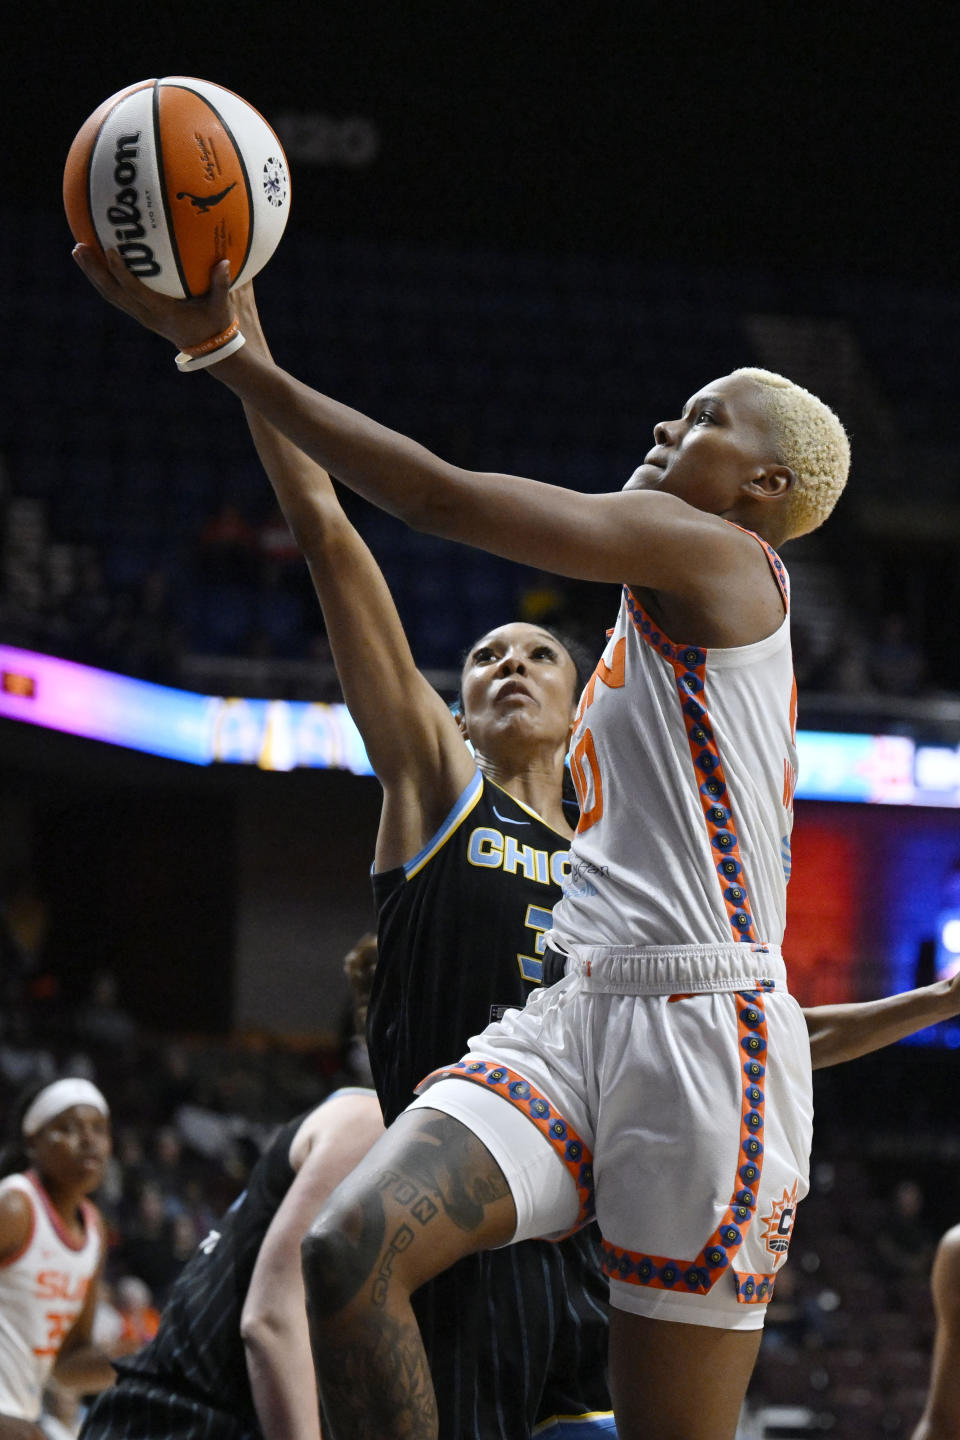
358 966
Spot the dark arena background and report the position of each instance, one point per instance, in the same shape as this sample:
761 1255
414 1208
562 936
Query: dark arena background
522 233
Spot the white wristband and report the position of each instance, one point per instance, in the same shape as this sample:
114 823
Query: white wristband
187 362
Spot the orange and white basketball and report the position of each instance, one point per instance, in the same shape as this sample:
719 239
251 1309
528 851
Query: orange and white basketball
177 174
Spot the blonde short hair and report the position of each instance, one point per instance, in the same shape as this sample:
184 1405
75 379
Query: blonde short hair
811 440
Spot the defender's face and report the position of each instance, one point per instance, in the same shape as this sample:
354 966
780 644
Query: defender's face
721 440
517 677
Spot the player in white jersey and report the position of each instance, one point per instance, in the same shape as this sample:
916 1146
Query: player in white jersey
51 1252
671 1049
705 737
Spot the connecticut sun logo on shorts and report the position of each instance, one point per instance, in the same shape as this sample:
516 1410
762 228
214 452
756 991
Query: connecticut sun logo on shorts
779 1223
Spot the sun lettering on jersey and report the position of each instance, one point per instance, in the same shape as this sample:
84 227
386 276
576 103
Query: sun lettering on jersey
779 1223
584 765
57 1285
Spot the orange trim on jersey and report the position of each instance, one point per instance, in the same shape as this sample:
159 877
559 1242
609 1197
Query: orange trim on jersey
776 564
524 1097
86 1212
754 1289
689 665
698 1276
11 1259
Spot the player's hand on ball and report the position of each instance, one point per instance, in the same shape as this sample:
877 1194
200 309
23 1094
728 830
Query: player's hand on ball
184 322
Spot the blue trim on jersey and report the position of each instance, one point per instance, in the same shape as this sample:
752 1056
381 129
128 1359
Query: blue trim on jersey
576 1427
460 811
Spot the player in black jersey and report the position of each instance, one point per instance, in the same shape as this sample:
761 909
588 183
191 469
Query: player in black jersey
470 858
231 1358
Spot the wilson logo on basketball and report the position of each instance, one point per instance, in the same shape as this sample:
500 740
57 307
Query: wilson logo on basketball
124 213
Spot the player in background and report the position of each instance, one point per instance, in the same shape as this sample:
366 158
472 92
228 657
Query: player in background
941 1416
231 1358
52 1250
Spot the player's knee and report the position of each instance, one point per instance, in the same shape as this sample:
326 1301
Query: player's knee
339 1252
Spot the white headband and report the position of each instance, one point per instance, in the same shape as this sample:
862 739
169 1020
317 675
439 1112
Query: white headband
56 1098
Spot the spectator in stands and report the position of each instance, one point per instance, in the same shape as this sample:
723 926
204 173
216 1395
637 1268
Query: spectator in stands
147 1247
227 547
155 642
102 1021
904 1243
90 609
140 1318
897 662
24 925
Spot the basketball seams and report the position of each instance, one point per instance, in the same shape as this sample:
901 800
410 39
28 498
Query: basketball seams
88 167
238 153
165 199
81 153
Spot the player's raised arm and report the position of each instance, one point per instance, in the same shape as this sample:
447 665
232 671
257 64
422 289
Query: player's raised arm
411 738
721 459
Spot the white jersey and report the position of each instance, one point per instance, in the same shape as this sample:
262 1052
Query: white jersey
684 759
42 1290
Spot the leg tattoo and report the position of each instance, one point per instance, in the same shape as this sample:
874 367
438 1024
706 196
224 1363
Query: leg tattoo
372 1370
337 1260
378 1385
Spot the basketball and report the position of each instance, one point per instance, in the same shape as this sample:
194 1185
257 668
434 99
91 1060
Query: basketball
177 174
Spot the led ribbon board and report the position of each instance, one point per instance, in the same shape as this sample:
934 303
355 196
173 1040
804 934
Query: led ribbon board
289 734
178 724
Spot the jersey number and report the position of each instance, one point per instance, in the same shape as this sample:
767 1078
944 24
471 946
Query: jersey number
584 765
531 966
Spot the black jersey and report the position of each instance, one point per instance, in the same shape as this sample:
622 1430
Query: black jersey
191 1381
518 1335
461 935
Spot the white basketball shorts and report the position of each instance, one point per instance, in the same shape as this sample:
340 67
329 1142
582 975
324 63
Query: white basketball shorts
668 1093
